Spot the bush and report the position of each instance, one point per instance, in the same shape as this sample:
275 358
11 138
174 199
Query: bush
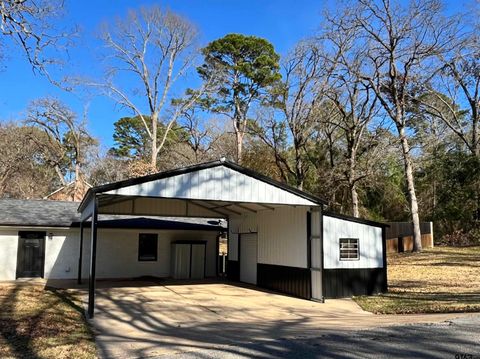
460 238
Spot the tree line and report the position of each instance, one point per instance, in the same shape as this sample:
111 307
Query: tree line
377 111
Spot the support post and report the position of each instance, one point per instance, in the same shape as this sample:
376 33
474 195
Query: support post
80 257
93 260
384 260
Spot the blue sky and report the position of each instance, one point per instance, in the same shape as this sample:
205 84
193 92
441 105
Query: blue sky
282 22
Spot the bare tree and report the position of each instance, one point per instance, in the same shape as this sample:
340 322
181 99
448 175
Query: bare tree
23 171
453 93
202 136
355 105
400 43
67 141
29 24
297 98
153 49
106 168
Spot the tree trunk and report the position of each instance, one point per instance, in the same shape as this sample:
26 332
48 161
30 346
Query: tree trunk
476 153
154 154
77 185
239 140
354 195
351 180
299 170
60 175
417 236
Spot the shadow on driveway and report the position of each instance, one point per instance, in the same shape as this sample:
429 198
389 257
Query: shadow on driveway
222 320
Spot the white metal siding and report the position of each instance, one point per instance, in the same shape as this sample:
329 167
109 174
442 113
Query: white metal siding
217 184
370 243
282 235
239 224
232 246
8 254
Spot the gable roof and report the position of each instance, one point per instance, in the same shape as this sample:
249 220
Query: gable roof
356 219
72 191
120 187
46 213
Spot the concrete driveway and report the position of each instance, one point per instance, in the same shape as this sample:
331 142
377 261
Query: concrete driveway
151 320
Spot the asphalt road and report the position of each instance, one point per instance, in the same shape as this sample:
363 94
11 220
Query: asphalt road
459 338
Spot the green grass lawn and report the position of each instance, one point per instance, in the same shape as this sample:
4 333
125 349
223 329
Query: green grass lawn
437 280
40 323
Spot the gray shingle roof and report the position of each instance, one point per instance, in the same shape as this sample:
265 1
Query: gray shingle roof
45 213
38 212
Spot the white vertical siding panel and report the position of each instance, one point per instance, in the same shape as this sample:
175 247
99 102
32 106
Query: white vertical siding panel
233 247
282 237
194 180
8 254
250 186
233 229
224 182
370 242
256 190
186 184
239 224
242 187
216 183
232 180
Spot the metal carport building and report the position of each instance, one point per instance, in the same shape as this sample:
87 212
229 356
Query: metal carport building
274 231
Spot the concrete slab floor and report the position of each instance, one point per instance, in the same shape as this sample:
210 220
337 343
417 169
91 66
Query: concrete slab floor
145 320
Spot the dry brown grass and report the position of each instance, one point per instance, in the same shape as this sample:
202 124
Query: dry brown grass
39 323
440 279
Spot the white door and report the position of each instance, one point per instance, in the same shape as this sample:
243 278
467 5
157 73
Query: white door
316 254
198 261
248 258
182 261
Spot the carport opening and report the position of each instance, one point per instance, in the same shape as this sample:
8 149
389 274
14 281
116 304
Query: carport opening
156 248
213 190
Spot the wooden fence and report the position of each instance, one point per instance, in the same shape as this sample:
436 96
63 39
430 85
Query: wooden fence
400 236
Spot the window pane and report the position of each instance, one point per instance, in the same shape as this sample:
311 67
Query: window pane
349 249
147 246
